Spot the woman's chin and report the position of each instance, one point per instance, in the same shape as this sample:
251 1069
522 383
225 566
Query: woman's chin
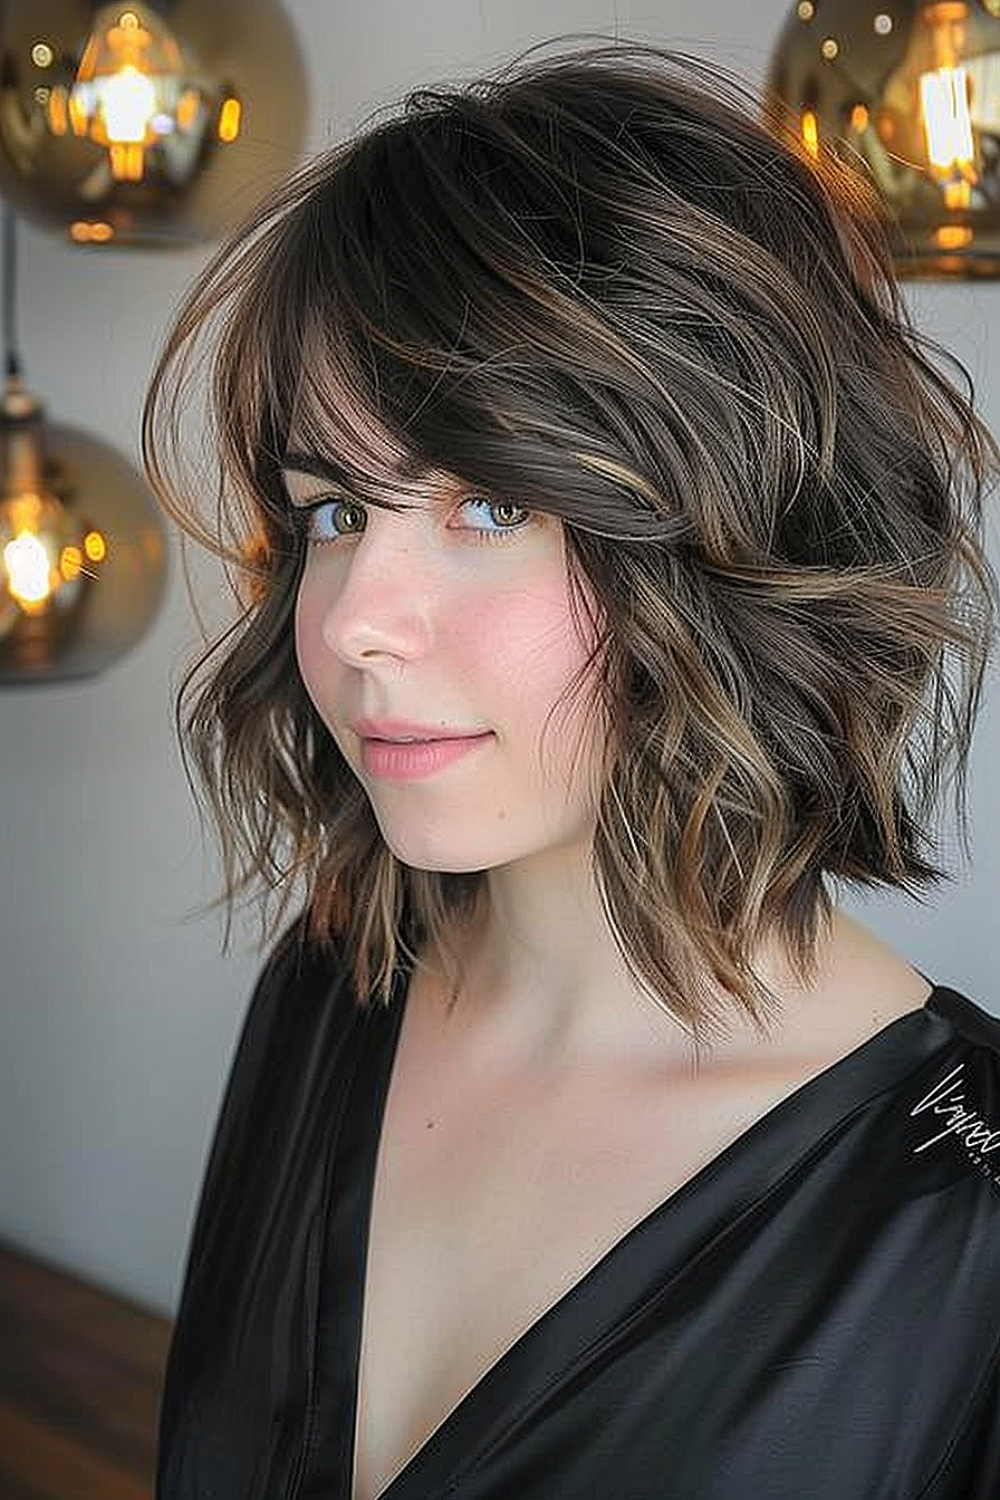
440 855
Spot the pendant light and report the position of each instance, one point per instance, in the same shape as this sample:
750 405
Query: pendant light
909 92
82 545
146 122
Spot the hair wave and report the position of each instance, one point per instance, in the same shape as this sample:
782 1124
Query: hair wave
600 285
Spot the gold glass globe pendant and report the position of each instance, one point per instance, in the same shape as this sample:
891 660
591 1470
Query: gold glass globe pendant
82 543
145 121
82 548
910 94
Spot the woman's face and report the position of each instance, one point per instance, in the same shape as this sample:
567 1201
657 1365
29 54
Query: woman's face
450 617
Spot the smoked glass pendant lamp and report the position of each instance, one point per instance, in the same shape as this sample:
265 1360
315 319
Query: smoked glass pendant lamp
909 93
82 546
146 122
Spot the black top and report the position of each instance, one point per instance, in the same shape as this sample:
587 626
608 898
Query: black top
814 1316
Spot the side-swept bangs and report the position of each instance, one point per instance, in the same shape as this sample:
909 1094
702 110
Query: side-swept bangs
599 285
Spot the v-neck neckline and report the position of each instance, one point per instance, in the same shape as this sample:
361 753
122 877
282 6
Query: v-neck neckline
711 1201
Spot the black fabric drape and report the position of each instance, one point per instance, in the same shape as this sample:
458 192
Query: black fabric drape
815 1315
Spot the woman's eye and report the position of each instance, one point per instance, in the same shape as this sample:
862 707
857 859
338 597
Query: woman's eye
328 520
498 515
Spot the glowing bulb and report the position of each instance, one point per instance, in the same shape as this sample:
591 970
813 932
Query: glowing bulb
128 100
133 95
38 534
913 94
944 102
126 87
56 553
28 566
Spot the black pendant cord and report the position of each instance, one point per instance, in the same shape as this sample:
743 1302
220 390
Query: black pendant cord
11 357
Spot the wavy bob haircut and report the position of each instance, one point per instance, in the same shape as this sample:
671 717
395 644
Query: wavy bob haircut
599 285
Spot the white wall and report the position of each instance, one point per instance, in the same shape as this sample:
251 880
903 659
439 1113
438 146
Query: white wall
117 1011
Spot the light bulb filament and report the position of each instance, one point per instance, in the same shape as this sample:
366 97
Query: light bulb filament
126 87
944 103
28 566
128 100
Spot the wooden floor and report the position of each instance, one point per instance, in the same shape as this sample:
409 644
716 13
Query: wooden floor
80 1379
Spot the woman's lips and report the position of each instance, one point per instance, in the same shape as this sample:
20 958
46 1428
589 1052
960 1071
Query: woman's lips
409 729
398 760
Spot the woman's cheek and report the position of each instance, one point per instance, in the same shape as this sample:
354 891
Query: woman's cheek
308 636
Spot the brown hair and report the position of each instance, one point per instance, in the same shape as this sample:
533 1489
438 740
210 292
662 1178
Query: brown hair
598 285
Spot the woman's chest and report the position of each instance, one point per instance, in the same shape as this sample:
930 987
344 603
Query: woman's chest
485 1214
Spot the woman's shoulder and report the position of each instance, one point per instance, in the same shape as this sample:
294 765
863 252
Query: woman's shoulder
969 1019
955 1104
953 1121
297 959
301 996
283 1067
298 979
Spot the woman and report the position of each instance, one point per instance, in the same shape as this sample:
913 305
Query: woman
612 588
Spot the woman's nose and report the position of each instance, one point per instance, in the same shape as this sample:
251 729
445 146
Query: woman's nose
381 605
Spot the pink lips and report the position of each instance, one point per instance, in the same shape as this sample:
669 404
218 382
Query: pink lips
408 729
400 750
